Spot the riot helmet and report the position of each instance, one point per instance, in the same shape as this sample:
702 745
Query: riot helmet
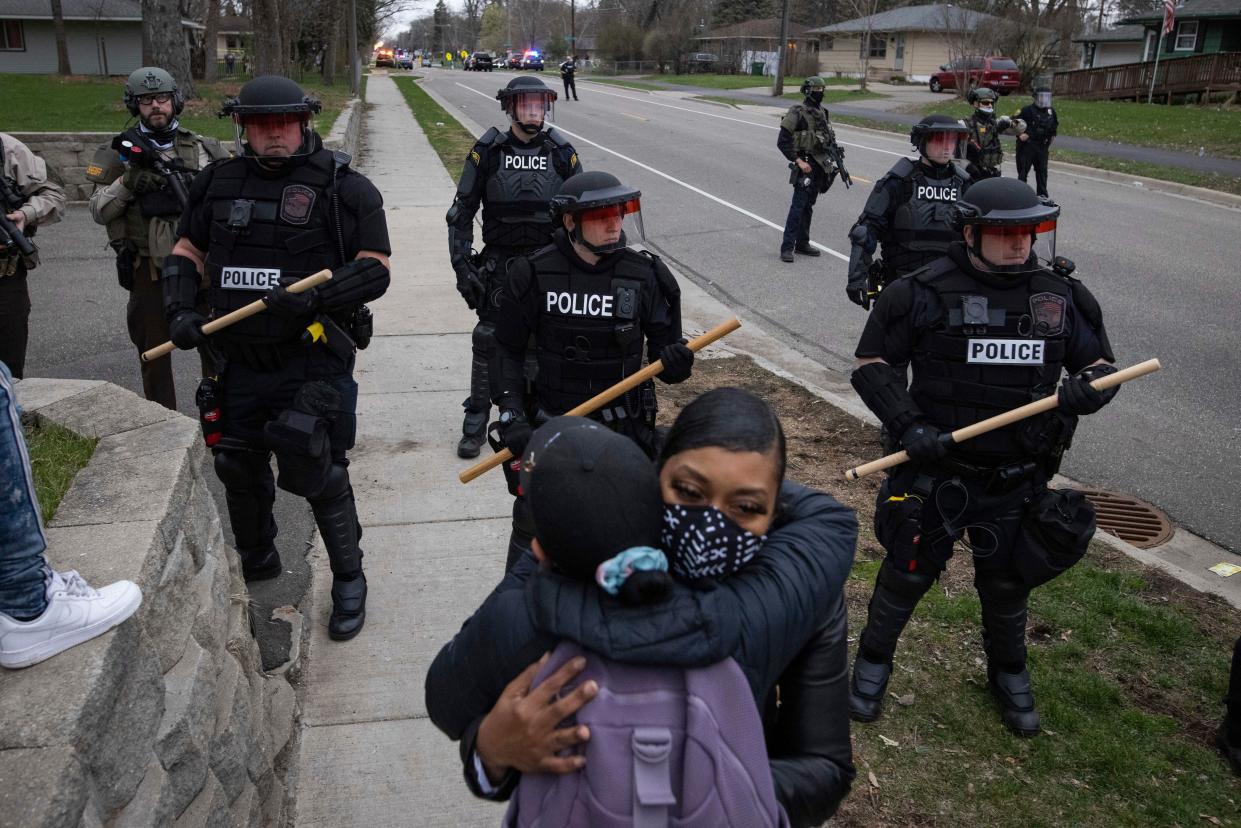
982 98
1007 218
812 88
272 119
939 138
1042 97
528 102
606 214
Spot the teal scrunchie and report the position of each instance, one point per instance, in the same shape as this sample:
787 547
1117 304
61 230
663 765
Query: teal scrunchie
612 573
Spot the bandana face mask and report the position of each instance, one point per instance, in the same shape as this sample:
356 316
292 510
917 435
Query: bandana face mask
703 542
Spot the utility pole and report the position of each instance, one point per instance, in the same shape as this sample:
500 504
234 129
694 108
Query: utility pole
778 88
355 65
573 28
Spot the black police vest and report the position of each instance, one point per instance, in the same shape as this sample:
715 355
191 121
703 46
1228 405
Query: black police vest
589 326
517 197
920 232
998 348
267 231
1039 123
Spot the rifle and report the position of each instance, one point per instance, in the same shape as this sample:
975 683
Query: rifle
135 149
833 152
10 236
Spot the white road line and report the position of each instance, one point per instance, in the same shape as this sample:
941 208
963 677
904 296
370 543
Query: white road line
755 216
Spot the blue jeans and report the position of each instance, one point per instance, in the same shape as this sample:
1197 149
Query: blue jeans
797 225
22 565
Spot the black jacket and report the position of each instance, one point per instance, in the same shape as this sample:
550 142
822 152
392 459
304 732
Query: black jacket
763 617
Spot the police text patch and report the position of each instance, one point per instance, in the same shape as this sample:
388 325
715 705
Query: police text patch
249 278
567 303
525 162
932 193
1005 351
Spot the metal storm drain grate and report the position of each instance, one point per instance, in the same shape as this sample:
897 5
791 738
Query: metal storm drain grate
1133 521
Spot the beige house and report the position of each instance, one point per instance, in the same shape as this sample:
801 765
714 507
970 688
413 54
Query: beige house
908 43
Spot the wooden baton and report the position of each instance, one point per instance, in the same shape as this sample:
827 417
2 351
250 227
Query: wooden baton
1150 366
313 280
603 397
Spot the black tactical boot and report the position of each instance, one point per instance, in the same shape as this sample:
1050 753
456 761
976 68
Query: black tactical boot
807 249
1231 749
786 255
261 567
1016 700
474 433
348 607
867 688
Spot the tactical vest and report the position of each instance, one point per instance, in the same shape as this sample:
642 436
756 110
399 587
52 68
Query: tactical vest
996 348
1040 123
987 137
589 327
518 194
264 232
919 231
813 134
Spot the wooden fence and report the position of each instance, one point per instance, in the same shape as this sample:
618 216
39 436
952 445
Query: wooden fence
1219 72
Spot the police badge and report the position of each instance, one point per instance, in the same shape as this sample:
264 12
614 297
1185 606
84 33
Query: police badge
1048 312
296 204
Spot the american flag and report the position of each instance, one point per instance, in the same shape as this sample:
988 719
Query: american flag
1169 16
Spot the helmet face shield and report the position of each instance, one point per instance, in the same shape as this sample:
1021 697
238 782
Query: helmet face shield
531 109
610 227
273 135
1007 248
942 147
1042 99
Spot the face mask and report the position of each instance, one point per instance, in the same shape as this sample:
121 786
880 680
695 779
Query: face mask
986 110
703 542
816 97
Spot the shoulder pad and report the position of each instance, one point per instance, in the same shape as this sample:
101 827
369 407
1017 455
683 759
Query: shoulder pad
105 167
960 170
491 137
1085 301
934 271
903 168
215 149
556 138
898 296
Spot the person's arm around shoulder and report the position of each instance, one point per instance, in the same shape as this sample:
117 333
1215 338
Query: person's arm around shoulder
45 198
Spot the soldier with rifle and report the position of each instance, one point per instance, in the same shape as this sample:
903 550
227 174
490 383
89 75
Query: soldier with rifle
28 198
809 143
142 177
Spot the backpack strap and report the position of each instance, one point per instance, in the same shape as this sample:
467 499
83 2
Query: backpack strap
652 777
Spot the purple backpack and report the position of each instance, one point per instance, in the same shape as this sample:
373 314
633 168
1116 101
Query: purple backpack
668 747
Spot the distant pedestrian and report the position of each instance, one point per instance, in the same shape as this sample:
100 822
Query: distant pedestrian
567 70
1034 144
230 63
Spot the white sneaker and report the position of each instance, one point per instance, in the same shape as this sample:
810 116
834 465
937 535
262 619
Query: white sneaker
76 612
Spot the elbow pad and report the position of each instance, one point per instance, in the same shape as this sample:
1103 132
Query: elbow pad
360 281
180 280
884 392
861 236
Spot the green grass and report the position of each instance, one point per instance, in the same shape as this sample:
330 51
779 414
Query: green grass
709 81
451 141
1186 128
628 84
50 103
56 455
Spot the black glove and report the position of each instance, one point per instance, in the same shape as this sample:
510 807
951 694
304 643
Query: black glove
1078 396
515 433
283 303
141 180
186 329
471 288
858 295
924 443
678 362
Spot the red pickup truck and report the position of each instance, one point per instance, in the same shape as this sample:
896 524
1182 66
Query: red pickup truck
998 73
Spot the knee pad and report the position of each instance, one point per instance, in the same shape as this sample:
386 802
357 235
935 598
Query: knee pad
335 483
483 340
241 469
1001 587
911 585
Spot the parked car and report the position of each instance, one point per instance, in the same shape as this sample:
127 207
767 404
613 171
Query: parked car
425 60
404 59
998 73
700 62
479 62
385 57
514 61
532 60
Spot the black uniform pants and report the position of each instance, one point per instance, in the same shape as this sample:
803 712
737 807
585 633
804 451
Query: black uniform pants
801 212
1033 153
148 327
569 83
14 321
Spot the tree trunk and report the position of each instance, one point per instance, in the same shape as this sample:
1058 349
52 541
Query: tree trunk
62 41
268 46
211 34
163 42
330 52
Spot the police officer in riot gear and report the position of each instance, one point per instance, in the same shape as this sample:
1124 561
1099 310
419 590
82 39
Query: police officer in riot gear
140 210
806 138
983 150
907 213
591 303
986 328
513 175
282 210
29 197
1034 143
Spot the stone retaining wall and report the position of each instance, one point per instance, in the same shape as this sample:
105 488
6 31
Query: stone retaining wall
167 719
70 152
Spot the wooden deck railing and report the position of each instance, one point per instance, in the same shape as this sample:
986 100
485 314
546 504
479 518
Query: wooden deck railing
1176 76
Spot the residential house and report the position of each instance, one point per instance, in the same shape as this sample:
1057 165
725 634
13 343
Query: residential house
739 46
1110 47
1201 27
909 43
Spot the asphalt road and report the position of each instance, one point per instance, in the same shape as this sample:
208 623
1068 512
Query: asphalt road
1164 267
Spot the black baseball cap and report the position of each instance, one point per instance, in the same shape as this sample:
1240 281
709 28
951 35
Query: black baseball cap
592 493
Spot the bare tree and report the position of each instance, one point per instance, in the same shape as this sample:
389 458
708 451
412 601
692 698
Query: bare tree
211 32
62 41
163 42
269 51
